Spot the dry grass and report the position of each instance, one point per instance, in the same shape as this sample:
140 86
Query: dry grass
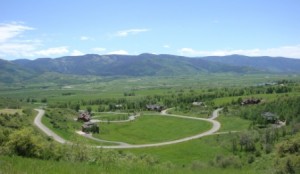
10 111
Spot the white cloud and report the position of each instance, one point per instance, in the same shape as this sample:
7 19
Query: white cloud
166 46
52 51
125 33
191 52
76 53
98 49
12 30
120 52
83 38
27 50
284 51
14 45
17 49
11 43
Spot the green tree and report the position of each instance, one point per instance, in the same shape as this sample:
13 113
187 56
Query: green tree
89 109
239 100
234 145
77 107
269 90
44 100
247 142
289 169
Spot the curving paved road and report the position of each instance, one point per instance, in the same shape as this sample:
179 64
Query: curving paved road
46 130
216 126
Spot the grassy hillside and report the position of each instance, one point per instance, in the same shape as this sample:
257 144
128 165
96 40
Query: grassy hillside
13 73
121 65
272 64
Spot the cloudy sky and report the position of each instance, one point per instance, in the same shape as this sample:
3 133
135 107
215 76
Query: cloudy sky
54 28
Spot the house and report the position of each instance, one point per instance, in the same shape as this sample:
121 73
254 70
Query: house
84 116
250 101
88 127
154 108
118 106
270 117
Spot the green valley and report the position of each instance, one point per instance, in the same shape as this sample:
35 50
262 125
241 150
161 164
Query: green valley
244 140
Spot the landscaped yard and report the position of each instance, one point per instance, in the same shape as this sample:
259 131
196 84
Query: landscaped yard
151 129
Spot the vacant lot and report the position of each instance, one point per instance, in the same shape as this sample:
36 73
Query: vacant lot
10 111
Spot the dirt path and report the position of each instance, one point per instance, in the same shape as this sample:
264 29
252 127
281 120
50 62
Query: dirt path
215 127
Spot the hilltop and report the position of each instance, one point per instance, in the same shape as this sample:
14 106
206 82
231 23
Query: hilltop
141 65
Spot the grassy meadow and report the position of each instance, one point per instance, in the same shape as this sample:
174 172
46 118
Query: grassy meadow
151 129
111 116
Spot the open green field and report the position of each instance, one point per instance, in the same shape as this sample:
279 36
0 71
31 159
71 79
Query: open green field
143 86
151 129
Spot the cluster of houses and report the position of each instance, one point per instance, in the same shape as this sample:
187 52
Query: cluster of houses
250 101
87 126
84 116
92 127
270 117
157 108
198 103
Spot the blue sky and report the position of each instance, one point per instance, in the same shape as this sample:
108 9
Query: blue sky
54 28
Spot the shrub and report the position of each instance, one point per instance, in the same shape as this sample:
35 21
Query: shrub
224 162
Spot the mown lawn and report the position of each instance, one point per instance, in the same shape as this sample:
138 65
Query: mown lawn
152 129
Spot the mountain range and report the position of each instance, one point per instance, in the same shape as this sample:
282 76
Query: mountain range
142 65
